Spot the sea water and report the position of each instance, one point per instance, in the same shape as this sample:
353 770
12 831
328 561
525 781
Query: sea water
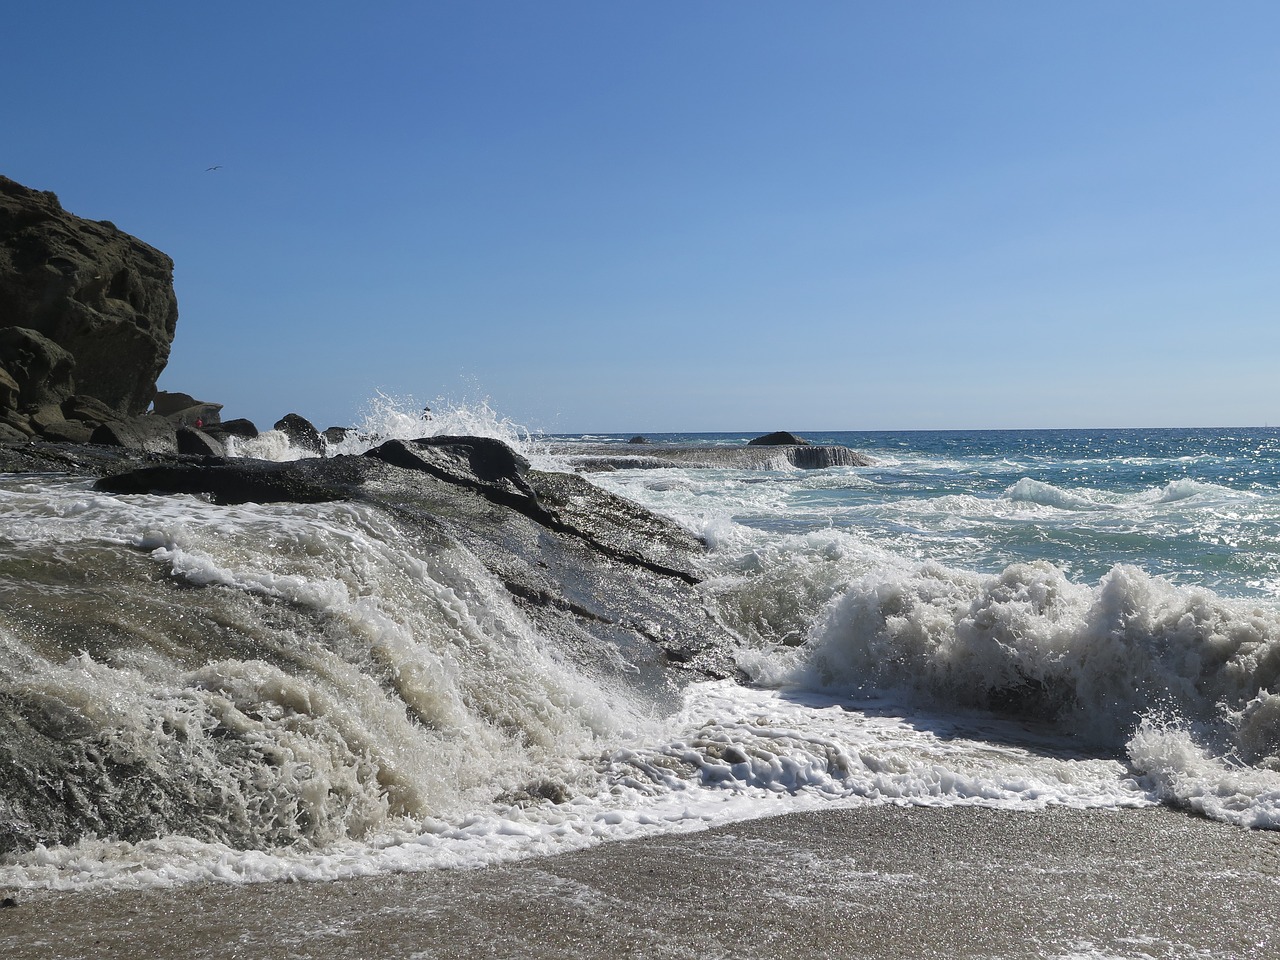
267 692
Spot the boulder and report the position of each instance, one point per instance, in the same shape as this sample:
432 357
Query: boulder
184 410
18 422
46 416
103 297
244 429
779 438
87 409
638 439
167 402
301 432
191 440
9 434
67 431
150 434
336 434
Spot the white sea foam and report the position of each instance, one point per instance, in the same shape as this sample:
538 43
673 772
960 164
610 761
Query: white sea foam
1046 494
394 418
734 753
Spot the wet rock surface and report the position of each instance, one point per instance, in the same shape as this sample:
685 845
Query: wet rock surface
591 568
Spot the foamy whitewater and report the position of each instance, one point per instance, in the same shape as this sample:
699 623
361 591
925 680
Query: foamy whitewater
1016 620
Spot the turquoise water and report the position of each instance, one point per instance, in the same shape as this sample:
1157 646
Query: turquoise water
1195 506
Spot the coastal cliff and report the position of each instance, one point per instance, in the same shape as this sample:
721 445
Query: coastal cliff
85 310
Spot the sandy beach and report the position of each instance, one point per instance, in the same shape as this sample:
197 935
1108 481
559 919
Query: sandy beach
869 882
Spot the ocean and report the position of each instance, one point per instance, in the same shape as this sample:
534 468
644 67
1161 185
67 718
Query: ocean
1007 620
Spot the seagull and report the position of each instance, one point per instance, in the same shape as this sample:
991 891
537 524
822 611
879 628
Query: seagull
216 166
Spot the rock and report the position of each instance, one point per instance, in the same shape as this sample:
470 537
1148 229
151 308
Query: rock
165 402
9 391
184 410
105 298
638 439
150 434
488 466
18 422
10 434
779 438
88 409
194 441
41 368
248 481
244 429
301 432
821 457
584 564
336 434
46 416
67 431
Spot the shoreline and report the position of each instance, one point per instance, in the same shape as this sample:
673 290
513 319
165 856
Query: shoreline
875 881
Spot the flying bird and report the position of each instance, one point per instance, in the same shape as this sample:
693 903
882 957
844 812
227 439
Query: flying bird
216 166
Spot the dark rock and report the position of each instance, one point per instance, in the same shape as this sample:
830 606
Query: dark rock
17 421
246 481
197 442
10 434
820 457
88 409
200 416
483 464
41 368
45 417
301 433
244 429
184 410
8 903
9 391
67 431
779 438
101 295
587 566
150 434
166 402
638 439
335 435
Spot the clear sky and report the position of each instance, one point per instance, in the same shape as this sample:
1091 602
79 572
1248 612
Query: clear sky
662 215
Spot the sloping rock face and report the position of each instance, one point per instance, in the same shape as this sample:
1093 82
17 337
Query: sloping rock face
589 567
95 293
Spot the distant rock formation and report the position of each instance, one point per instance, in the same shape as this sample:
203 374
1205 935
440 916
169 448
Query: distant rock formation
86 311
779 438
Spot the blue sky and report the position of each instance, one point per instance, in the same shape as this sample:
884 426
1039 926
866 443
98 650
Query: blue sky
685 215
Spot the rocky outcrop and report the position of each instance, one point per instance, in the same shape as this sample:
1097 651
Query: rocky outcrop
101 297
581 561
779 438
594 458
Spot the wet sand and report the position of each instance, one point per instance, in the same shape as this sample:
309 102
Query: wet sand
871 882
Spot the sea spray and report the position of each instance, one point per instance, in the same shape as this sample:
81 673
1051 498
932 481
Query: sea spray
265 675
